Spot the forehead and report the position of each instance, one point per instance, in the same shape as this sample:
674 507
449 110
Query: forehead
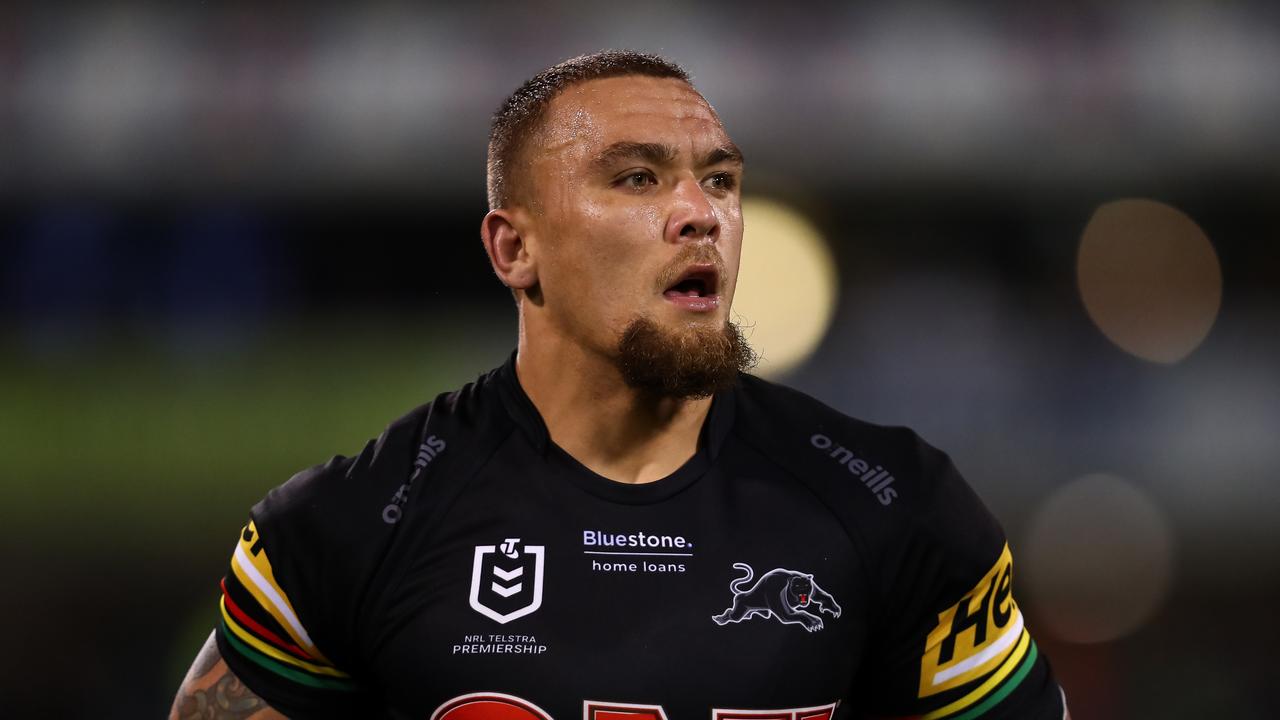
590 115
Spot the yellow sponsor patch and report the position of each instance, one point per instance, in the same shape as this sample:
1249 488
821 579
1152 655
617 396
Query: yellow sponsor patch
975 635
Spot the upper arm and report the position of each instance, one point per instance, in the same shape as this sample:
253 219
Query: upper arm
975 658
212 690
954 643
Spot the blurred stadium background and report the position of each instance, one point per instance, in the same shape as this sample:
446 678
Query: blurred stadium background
238 239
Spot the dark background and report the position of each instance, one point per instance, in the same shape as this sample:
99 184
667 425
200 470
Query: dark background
239 240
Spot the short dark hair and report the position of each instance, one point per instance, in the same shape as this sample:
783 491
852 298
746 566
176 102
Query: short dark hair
521 113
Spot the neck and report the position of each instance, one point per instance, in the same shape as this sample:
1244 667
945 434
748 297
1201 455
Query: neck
592 414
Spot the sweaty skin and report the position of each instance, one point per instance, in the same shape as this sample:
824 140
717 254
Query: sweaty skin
592 244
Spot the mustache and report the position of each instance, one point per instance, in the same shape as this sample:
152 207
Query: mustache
691 254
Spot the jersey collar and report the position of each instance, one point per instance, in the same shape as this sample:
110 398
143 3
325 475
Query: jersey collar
715 428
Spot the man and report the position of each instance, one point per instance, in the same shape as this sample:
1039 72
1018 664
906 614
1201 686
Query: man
618 522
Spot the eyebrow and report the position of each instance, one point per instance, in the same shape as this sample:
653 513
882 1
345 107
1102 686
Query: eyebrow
660 154
725 153
655 153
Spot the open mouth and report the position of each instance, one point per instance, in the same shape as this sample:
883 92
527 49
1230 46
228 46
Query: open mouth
698 281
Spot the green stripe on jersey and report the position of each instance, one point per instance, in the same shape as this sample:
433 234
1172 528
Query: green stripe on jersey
267 663
1008 687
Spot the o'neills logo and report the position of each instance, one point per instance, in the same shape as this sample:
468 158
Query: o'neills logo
876 479
427 452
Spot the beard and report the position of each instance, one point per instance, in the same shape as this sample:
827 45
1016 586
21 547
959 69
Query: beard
693 362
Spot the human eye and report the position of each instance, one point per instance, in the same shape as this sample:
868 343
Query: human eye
636 180
722 181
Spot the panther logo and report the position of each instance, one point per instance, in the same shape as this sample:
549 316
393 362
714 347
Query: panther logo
780 594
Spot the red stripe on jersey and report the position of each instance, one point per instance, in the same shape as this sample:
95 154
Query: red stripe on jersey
258 629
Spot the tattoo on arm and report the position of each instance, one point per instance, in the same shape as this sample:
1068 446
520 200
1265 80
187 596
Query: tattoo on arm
212 692
227 699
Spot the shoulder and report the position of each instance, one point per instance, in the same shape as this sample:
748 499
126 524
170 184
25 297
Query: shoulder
885 483
356 499
889 466
313 547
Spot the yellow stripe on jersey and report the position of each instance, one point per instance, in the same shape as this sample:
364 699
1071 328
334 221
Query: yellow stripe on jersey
982 690
253 569
270 651
975 635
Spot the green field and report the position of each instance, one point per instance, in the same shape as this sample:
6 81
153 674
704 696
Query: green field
129 438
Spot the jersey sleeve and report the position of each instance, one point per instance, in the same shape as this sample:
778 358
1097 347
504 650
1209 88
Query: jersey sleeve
265 642
952 642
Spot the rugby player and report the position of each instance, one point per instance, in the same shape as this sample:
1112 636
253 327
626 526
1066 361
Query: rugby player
619 521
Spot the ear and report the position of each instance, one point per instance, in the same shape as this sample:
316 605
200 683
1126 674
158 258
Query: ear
508 248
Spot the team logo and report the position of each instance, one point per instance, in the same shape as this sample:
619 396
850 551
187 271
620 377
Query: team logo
506 582
791 597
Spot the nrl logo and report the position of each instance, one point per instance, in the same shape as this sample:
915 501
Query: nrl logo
506 582
790 597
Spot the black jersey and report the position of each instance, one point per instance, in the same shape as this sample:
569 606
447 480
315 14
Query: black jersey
802 565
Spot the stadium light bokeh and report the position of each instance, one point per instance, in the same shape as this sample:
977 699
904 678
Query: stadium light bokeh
1099 559
787 285
1149 278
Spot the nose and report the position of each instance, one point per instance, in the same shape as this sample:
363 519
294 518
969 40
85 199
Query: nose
692 215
